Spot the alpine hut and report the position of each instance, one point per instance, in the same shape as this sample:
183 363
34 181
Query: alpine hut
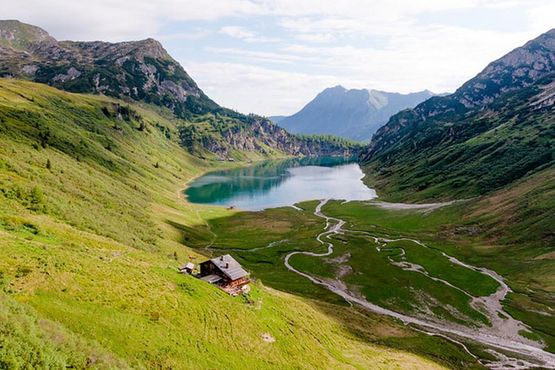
225 272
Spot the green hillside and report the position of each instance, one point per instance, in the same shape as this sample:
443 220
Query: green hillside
91 236
490 145
491 141
486 150
494 130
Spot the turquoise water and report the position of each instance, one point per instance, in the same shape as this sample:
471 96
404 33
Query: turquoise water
280 183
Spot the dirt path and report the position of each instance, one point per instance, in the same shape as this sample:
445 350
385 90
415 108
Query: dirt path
270 245
424 207
502 336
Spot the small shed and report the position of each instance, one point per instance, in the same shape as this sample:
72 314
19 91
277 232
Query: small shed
226 272
187 268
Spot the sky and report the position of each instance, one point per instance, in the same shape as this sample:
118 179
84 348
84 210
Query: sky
271 57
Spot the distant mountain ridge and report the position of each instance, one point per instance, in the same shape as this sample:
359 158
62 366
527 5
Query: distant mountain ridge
354 114
276 119
495 129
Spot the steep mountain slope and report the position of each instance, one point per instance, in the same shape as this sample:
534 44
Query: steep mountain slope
91 234
143 71
230 138
495 129
354 114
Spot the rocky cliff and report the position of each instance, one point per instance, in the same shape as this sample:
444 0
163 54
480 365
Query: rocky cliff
140 70
259 134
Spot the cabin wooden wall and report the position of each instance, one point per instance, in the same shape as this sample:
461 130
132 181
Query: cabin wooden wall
239 282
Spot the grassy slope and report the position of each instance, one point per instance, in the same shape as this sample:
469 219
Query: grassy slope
509 231
504 163
90 237
518 242
297 231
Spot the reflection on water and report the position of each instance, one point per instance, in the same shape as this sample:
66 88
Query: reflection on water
281 183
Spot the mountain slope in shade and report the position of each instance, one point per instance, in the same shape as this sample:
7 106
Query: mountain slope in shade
495 129
355 114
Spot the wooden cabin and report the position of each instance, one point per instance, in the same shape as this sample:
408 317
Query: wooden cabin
225 272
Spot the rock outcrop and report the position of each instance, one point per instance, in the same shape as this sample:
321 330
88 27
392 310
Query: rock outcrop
139 70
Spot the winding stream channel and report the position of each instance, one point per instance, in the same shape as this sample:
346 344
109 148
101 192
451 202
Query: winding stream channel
503 335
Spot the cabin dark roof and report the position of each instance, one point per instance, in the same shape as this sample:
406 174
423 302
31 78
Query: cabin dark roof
233 270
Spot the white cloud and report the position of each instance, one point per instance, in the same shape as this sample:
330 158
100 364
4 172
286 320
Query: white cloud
194 35
383 11
125 19
438 58
542 18
336 25
262 56
238 32
250 88
244 34
119 20
315 37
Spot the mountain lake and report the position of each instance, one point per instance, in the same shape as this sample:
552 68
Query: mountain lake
278 183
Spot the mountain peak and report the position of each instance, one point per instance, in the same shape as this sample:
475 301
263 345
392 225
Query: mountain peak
480 127
351 113
141 70
519 68
19 35
337 89
153 46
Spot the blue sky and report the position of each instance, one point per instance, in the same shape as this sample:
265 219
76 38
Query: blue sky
273 56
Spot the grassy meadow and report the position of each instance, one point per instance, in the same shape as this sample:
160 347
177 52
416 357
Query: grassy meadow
93 227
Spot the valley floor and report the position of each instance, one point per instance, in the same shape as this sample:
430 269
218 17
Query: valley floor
503 332
397 260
